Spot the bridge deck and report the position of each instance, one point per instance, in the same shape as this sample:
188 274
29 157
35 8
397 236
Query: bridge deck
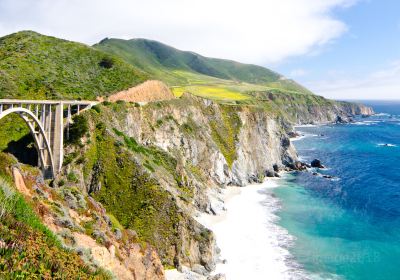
48 102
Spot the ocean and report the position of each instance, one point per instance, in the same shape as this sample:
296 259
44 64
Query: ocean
347 226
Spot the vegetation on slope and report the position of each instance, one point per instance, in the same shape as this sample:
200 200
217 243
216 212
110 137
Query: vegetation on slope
34 66
225 132
12 128
28 250
118 171
157 59
217 79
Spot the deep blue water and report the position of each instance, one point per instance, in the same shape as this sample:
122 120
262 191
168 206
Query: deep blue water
348 227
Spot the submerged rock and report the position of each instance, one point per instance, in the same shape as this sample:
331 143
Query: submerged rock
218 276
199 269
293 134
270 173
316 163
340 119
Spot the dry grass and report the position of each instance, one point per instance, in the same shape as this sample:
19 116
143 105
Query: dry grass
145 92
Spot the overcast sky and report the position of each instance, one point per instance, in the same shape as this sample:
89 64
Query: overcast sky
338 48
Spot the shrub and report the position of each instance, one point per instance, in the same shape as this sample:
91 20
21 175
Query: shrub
72 177
106 62
78 129
69 158
96 108
159 123
6 198
80 160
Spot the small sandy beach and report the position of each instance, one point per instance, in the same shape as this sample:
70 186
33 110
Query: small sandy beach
251 243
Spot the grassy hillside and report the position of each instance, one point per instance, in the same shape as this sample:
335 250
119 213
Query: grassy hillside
157 58
184 71
35 66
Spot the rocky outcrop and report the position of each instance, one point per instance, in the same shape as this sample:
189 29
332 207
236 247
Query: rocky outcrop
316 163
356 109
313 109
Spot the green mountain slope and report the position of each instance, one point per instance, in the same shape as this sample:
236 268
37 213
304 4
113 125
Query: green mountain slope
158 58
184 71
35 66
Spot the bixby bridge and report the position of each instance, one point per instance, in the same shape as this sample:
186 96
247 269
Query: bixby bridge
46 120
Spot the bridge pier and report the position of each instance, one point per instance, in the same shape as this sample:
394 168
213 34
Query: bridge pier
58 137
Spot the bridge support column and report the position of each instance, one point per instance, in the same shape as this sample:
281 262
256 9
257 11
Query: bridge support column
58 137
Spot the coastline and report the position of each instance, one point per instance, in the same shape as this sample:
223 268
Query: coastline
252 245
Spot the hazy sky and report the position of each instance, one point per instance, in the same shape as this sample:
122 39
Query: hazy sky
338 48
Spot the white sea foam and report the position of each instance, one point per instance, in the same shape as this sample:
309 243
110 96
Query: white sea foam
304 158
251 242
302 136
382 115
386 145
306 125
361 123
298 138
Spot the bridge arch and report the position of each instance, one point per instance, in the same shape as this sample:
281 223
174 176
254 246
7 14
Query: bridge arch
40 138
45 119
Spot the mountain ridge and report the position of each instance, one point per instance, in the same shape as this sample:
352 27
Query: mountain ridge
175 59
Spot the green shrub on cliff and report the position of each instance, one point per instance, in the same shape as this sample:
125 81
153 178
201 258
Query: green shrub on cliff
28 250
225 132
130 193
77 129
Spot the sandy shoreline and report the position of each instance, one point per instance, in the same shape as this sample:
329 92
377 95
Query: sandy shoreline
251 243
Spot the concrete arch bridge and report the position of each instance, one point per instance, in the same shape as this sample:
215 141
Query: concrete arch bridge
46 120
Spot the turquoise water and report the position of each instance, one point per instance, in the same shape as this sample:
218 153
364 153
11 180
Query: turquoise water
347 227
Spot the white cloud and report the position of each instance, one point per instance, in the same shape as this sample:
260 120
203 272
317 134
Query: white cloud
257 31
382 84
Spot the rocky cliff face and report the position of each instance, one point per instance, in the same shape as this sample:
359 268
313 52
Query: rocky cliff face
320 114
167 156
230 145
310 109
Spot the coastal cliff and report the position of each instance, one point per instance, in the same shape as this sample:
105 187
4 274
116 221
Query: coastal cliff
167 157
